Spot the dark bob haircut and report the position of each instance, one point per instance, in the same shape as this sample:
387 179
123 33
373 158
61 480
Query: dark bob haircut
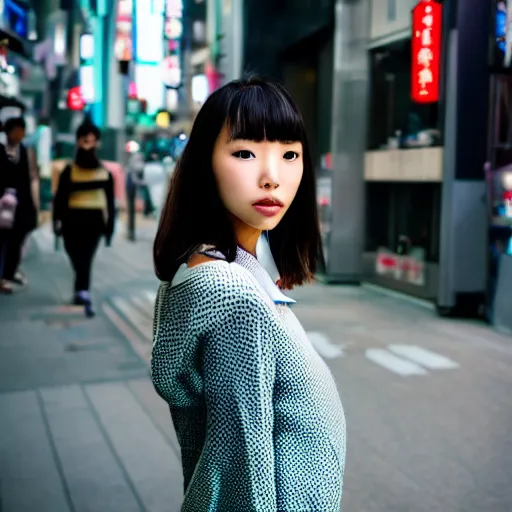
14 122
252 109
88 128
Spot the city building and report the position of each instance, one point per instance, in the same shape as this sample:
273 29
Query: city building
400 146
20 78
499 167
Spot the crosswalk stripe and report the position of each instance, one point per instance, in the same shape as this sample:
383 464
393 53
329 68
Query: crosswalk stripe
142 348
144 307
131 313
394 363
424 357
324 346
403 360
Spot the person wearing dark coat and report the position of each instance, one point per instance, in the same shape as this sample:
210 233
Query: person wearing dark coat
15 174
84 210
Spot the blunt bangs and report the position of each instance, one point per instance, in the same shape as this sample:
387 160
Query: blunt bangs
264 111
252 109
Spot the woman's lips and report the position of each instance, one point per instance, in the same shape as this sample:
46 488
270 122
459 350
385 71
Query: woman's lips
268 211
268 207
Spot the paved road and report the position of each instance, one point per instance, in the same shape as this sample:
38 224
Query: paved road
428 400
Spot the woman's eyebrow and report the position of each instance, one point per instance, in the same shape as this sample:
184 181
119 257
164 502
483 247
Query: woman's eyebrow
240 139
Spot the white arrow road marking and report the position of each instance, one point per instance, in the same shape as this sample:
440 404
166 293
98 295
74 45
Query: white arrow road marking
324 346
394 363
424 357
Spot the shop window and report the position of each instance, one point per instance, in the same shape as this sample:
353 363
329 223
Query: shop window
499 57
391 10
501 121
403 210
394 119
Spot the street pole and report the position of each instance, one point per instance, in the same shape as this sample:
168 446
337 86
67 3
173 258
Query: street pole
131 211
186 88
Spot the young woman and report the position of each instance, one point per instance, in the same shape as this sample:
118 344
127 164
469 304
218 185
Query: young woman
15 174
256 410
84 210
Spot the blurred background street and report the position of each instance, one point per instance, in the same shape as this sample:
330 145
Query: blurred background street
427 399
407 105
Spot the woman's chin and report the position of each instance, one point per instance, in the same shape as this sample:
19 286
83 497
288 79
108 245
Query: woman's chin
267 224
256 221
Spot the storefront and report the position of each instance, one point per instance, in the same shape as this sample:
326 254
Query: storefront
425 217
403 164
410 121
499 167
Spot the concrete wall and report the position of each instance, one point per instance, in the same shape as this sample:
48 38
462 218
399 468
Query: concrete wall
349 135
324 98
502 318
232 26
464 219
390 19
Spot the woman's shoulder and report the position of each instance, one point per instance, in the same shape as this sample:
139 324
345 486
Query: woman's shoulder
214 279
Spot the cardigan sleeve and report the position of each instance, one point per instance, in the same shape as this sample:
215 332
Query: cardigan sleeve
236 467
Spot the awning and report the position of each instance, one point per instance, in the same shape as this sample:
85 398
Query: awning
7 101
13 42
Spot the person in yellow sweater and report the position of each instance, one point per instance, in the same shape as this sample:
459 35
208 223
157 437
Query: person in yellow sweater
84 210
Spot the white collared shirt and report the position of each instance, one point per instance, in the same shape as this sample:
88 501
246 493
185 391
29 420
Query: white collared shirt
263 268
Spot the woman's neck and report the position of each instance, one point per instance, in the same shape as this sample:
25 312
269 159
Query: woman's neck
246 236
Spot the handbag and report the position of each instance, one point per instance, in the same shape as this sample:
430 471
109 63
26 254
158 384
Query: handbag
8 204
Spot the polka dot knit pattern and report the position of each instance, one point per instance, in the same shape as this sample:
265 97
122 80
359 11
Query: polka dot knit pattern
255 408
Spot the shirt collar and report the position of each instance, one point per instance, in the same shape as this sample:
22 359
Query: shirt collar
262 269
12 151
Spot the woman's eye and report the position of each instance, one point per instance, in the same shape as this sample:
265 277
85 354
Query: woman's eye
243 155
291 156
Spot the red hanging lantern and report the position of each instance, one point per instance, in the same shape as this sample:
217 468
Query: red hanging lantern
3 54
427 20
75 99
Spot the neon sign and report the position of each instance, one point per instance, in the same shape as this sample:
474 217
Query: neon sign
426 51
123 46
75 99
173 32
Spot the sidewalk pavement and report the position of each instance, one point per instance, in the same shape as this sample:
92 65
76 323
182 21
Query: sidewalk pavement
427 399
81 427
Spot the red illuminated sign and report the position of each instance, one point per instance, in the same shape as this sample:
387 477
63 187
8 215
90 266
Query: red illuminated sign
426 51
123 46
75 99
171 72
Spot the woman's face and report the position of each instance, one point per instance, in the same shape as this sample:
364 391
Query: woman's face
257 181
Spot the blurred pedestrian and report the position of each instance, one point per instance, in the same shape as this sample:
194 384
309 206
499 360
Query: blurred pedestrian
135 170
15 174
256 409
145 191
84 210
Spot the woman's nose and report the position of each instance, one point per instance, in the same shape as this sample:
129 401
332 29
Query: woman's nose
270 175
270 185
269 181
